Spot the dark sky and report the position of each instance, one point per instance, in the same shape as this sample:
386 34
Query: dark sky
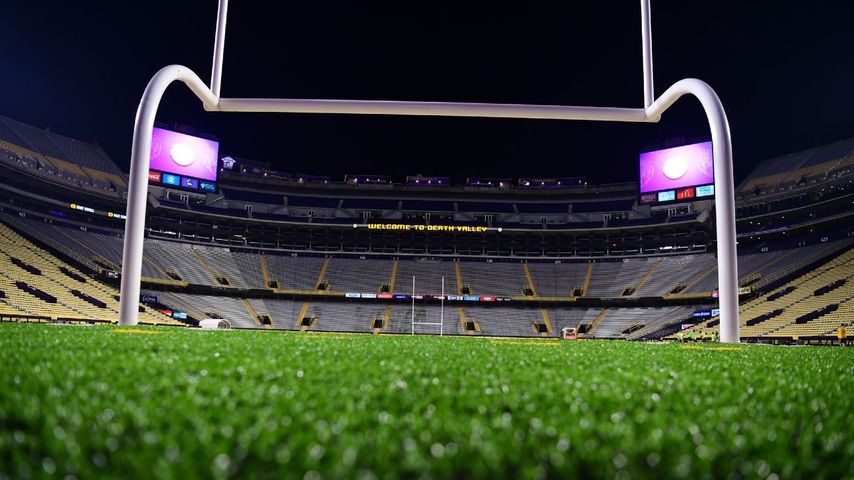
784 70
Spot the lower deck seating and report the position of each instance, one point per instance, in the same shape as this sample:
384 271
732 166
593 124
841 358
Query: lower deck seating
814 304
39 284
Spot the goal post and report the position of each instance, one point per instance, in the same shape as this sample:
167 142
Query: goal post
650 112
440 323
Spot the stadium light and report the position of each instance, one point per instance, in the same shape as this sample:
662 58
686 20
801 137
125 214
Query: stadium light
650 113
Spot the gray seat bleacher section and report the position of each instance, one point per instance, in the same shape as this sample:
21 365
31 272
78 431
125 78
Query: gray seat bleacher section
229 308
243 270
357 275
428 276
496 278
557 279
109 247
505 321
180 258
248 269
618 319
345 316
659 318
401 320
610 278
282 312
571 317
675 270
294 273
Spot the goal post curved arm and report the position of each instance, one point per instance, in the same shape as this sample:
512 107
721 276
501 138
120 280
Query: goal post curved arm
724 194
138 180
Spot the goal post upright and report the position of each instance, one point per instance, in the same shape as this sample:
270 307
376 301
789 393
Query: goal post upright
442 309
650 113
413 305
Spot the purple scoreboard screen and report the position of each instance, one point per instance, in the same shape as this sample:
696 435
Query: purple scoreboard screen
182 160
678 173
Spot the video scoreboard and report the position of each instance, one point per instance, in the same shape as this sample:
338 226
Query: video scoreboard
677 174
183 161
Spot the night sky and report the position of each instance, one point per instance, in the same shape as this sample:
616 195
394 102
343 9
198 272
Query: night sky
784 71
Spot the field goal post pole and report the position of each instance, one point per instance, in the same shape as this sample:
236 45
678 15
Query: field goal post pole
426 319
412 318
442 309
650 113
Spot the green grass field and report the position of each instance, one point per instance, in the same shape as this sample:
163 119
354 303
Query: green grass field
166 403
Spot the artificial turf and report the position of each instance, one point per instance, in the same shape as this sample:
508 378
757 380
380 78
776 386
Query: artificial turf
171 403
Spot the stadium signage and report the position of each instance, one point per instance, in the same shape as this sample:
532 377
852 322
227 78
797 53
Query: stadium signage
426 228
82 208
706 313
75 206
741 291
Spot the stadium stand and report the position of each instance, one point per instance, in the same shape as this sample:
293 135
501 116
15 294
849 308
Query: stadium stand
428 276
277 250
57 146
495 278
37 283
59 158
798 169
813 304
296 272
357 275
559 279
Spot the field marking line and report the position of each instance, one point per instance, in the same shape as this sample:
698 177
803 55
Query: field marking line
694 347
136 330
538 343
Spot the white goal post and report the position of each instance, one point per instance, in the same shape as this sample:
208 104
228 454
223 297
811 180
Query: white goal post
650 113
441 322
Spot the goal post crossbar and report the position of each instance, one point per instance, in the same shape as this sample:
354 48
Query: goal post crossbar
650 113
